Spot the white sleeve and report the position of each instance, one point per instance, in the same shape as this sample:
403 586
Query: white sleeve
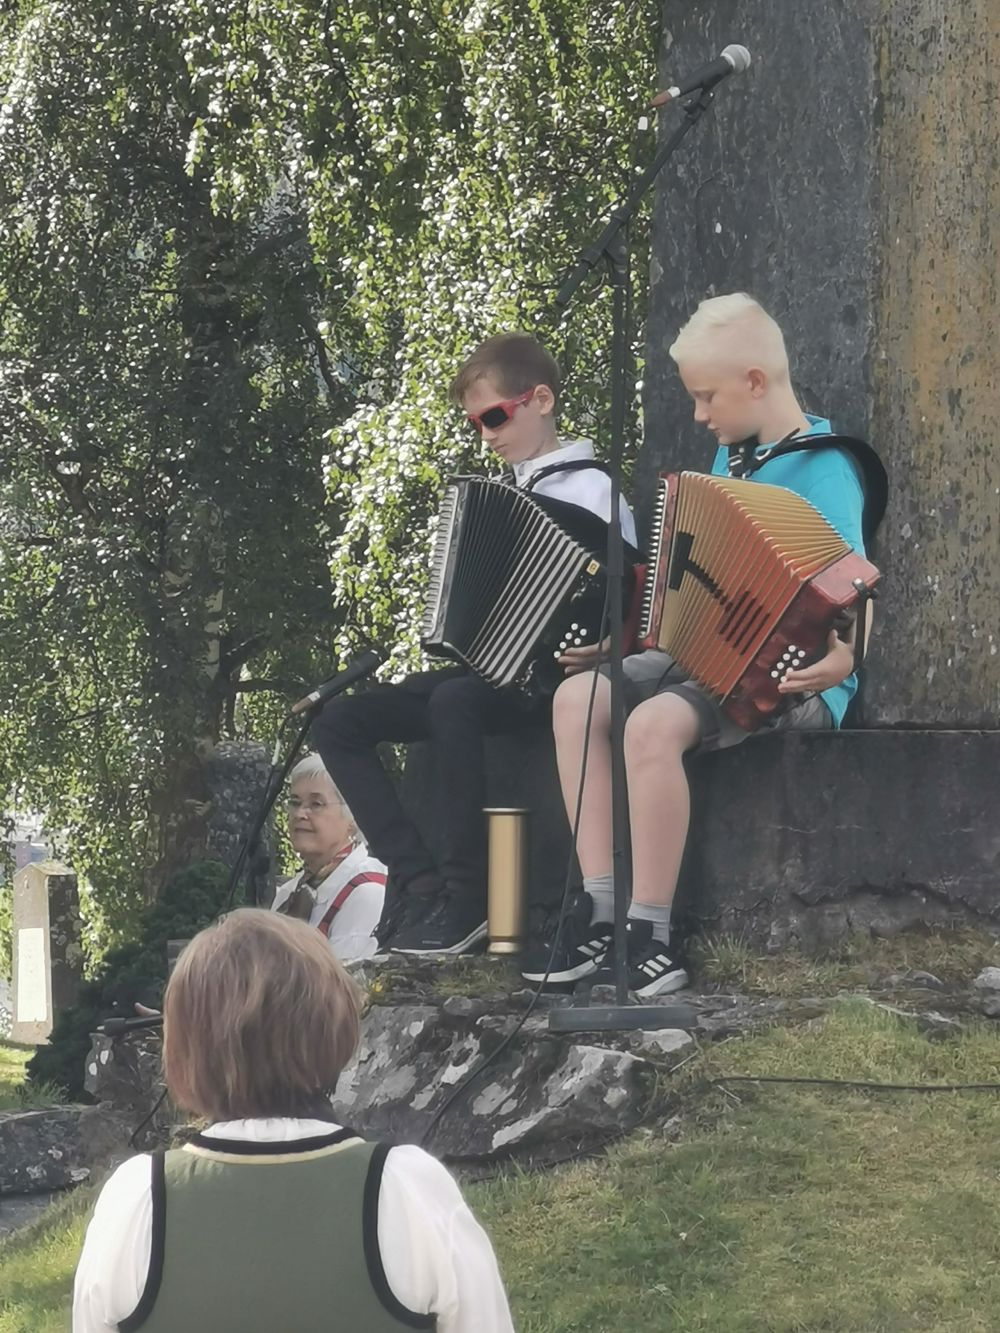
114 1261
437 1258
351 933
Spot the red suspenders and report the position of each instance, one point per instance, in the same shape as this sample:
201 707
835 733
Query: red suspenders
365 877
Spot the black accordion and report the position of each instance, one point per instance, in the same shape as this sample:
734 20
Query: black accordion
516 580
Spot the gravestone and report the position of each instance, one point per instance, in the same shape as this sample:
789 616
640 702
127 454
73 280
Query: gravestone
48 959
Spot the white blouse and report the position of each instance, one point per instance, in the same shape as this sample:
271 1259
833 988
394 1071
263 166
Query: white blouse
436 1256
351 932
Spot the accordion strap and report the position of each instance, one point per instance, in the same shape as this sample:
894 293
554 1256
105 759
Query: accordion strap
577 466
745 460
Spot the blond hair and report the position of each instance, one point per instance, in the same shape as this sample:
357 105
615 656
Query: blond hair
734 331
259 1019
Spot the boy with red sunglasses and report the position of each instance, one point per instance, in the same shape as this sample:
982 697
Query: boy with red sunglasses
508 388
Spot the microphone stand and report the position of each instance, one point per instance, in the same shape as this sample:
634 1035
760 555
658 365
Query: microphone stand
612 246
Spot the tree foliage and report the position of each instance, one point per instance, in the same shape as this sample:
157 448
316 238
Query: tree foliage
243 247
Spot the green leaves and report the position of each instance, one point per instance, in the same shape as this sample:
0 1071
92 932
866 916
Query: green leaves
243 248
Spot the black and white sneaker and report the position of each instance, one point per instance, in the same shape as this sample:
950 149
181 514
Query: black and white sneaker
654 968
440 923
580 949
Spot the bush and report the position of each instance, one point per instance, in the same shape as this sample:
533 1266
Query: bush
133 972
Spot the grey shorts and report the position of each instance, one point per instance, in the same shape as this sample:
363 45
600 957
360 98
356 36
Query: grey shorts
654 672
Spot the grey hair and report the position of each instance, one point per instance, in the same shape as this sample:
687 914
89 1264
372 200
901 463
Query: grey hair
312 766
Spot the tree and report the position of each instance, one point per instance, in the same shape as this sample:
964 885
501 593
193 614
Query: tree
242 249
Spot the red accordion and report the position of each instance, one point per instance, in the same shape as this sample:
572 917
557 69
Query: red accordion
745 583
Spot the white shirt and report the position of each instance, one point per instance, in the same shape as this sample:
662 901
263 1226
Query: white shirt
351 931
590 488
437 1258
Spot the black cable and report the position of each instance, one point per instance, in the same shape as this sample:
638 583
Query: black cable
856 1083
464 1083
143 1123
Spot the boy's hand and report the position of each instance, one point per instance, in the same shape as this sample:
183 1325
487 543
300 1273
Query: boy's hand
586 658
830 670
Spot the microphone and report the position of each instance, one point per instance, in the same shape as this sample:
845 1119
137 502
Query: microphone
733 60
114 1027
361 666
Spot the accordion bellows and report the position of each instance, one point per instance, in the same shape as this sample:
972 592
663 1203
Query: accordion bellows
515 579
746 582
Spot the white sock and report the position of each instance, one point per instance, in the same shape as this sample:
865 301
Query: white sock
602 895
658 915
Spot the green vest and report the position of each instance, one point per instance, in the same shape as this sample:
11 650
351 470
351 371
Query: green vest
269 1238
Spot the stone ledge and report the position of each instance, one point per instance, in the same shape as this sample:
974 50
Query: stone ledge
801 839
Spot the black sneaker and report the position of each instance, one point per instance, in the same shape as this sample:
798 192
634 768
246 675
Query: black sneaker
654 968
580 950
437 923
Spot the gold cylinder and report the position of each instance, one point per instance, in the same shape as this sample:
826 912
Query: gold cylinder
508 878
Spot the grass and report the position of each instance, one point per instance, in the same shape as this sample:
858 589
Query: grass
15 1094
774 1209
12 1062
37 1266
781 1209
953 956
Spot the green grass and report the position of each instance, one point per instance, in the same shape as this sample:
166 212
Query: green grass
953 956
781 1209
12 1062
15 1094
778 1209
37 1266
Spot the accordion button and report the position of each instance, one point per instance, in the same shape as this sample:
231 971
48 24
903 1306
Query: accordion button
792 648
775 674
574 626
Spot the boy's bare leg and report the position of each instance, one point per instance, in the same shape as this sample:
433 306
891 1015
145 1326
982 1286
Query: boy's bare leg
657 735
569 726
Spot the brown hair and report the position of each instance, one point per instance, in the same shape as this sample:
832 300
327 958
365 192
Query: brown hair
259 1019
515 361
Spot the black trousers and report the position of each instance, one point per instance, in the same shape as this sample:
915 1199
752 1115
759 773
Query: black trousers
451 709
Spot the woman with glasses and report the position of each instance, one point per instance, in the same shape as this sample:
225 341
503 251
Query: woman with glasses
340 888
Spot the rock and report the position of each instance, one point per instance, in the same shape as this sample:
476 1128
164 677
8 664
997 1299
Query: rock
124 1071
990 1006
927 979
934 1024
988 979
668 1043
20 1210
915 978
543 1091
58 1147
464 1006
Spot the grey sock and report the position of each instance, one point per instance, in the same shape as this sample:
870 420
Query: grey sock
602 895
659 916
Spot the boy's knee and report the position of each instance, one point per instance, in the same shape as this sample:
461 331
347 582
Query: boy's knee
665 726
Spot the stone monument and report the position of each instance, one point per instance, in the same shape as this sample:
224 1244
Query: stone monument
48 959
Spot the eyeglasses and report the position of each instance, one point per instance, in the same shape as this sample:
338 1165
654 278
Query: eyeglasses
294 804
499 414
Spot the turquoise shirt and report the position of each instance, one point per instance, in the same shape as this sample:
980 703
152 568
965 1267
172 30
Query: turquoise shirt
831 481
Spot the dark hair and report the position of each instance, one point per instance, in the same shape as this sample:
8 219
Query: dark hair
259 1019
515 361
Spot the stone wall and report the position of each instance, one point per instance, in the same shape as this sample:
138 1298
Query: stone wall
849 181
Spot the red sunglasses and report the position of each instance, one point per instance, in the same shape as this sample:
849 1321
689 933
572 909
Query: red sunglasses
499 414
